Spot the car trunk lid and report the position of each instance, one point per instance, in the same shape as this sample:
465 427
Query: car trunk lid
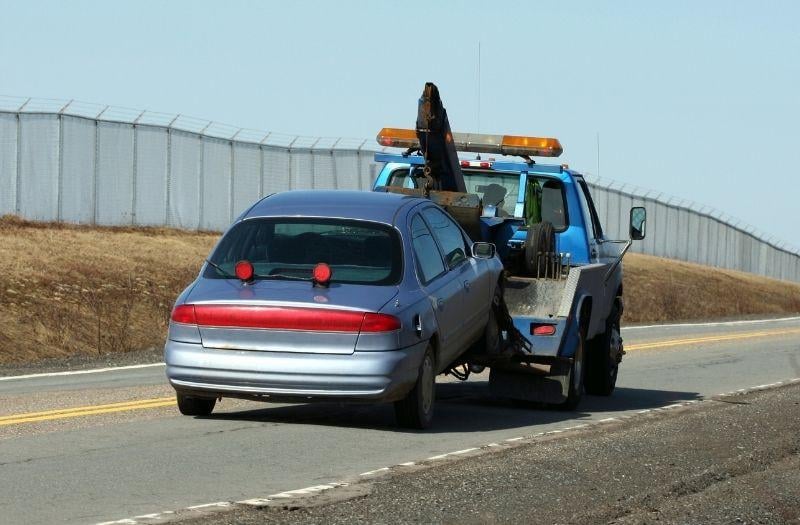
284 316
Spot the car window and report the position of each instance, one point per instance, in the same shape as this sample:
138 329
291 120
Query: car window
429 259
358 252
448 234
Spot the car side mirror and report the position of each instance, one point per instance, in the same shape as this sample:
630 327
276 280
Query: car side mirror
638 223
483 250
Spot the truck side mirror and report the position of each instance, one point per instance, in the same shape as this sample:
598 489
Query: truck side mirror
638 223
483 250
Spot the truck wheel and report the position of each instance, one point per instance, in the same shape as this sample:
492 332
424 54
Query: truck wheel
416 409
195 406
603 360
540 240
576 374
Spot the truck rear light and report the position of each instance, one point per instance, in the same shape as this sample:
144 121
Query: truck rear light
184 314
543 329
284 318
380 323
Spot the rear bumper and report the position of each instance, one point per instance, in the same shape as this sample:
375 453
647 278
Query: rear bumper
376 376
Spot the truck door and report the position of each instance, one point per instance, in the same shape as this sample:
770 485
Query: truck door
598 250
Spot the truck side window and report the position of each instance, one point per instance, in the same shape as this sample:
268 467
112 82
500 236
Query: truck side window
429 260
588 205
401 179
448 234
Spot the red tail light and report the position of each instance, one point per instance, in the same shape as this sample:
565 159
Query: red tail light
278 318
543 329
184 313
380 323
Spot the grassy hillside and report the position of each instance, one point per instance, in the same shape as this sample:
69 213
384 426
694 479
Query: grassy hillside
82 291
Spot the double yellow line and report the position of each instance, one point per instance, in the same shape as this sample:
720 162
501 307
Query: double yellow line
93 410
48 415
710 339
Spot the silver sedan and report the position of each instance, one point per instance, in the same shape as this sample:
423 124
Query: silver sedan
333 295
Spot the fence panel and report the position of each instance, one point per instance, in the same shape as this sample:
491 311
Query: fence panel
215 205
151 175
114 174
78 170
246 177
184 180
38 167
8 163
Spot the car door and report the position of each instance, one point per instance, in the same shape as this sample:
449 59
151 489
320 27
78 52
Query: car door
471 273
442 287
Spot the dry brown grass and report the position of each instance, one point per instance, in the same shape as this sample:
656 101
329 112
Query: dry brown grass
72 290
663 290
82 291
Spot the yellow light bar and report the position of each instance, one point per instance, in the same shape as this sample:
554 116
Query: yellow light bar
398 138
478 143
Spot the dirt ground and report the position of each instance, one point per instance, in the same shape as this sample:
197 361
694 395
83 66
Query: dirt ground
733 459
76 292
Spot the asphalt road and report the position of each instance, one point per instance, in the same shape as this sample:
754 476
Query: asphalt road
104 446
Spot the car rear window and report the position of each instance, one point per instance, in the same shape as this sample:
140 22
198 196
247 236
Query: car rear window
358 252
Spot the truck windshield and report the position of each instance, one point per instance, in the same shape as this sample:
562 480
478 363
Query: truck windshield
358 252
543 199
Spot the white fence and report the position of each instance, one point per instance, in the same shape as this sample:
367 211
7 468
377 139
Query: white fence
76 162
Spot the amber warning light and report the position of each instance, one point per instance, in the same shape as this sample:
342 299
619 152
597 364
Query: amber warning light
478 143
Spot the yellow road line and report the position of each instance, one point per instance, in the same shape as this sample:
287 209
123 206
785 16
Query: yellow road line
141 404
710 339
48 415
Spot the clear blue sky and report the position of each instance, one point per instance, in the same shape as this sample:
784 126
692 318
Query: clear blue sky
696 99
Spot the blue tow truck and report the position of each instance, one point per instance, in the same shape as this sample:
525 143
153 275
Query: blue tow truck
559 313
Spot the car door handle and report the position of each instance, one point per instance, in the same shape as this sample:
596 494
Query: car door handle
440 304
466 285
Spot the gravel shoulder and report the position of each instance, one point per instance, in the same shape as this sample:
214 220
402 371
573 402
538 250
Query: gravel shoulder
735 459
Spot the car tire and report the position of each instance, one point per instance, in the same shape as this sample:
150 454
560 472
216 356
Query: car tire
541 239
576 374
416 409
195 406
492 335
603 357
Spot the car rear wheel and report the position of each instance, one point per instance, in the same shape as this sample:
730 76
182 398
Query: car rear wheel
195 406
416 409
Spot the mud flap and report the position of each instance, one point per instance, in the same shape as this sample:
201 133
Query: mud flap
517 383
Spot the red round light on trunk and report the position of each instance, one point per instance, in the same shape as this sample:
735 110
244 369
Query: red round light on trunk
322 273
244 270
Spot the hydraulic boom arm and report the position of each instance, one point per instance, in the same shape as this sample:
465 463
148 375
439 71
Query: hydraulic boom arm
442 168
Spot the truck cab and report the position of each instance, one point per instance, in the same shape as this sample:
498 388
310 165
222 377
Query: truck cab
504 187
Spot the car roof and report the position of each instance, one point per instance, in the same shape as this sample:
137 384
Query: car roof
363 205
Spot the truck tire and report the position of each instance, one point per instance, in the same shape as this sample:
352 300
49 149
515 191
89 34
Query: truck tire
541 239
576 373
195 406
416 409
603 357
